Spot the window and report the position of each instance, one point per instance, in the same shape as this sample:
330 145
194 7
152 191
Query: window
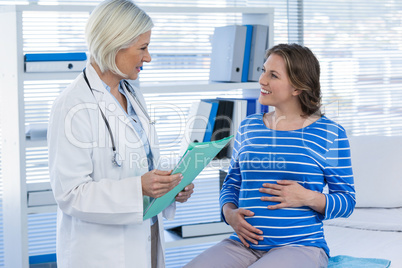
358 44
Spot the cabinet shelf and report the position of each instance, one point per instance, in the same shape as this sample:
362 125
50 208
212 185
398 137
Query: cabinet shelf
50 76
173 240
150 9
42 209
35 143
197 86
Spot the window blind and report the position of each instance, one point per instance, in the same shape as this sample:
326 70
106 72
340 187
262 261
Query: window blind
42 233
1 195
358 44
180 46
180 256
38 99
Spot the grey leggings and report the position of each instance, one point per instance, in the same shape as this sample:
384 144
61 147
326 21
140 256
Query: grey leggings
232 254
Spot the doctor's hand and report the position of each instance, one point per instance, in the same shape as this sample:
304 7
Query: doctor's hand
245 231
184 195
156 183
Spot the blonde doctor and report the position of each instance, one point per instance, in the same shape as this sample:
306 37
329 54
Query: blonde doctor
103 151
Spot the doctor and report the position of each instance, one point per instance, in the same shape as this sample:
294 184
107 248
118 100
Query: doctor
103 151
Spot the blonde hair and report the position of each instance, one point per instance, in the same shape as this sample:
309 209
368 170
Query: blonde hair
114 25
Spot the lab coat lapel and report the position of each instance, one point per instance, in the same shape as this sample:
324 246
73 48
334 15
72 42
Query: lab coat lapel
141 115
106 101
145 121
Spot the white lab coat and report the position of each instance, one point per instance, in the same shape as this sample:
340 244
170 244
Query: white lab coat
99 221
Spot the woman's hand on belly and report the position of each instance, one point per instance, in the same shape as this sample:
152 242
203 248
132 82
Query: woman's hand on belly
245 231
290 194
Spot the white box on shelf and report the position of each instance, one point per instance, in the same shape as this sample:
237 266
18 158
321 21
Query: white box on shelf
227 56
55 62
54 66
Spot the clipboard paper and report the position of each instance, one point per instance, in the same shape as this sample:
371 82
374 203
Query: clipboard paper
193 161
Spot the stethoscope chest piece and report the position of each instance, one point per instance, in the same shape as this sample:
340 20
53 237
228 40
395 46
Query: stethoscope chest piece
117 160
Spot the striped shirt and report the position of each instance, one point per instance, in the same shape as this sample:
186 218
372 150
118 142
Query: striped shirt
314 156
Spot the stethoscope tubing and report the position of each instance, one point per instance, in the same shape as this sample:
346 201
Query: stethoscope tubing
103 115
130 90
116 157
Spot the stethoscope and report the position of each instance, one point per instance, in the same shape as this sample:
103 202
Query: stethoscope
117 160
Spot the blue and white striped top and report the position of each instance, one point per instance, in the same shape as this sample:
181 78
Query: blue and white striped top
314 156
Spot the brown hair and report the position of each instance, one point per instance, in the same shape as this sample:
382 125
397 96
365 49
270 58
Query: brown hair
303 70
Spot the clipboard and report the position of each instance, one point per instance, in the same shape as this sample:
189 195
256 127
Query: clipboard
193 161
